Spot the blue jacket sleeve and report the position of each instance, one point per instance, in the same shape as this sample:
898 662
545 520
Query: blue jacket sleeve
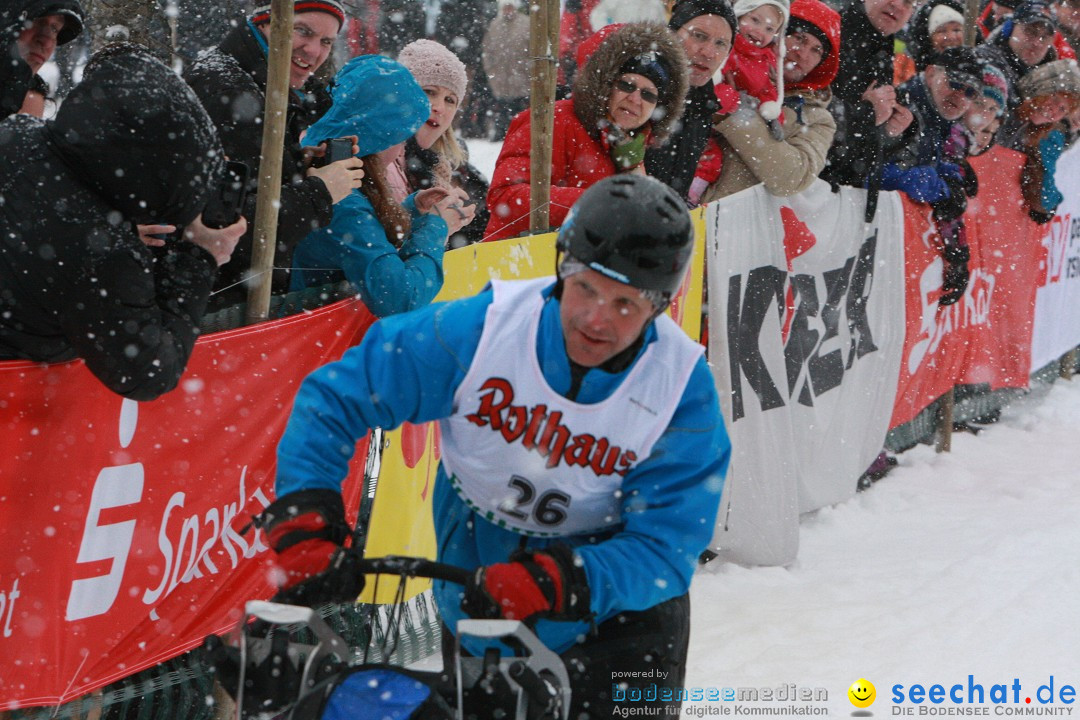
669 510
390 280
406 369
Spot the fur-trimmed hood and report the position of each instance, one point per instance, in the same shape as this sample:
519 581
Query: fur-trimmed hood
592 86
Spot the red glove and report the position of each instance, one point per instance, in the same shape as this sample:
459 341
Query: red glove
534 583
307 531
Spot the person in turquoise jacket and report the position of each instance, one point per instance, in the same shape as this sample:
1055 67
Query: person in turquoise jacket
583 450
391 253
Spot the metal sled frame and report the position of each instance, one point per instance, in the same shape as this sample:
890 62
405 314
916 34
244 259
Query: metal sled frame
537 673
541 662
329 642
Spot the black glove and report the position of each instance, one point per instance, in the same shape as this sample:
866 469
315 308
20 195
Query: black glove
307 531
955 275
546 583
953 206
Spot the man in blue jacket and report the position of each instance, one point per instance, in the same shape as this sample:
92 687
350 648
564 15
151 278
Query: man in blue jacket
583 451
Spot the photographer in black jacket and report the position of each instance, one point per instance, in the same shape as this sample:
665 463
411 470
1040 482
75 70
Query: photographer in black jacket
130 144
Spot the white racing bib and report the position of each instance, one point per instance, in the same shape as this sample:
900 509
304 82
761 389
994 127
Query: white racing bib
527 458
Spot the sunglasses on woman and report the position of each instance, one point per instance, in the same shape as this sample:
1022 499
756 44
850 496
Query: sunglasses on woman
630 88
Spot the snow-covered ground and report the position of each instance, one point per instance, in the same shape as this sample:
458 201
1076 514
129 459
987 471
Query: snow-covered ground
958 564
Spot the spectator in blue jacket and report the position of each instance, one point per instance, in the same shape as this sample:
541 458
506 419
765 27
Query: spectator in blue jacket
392 253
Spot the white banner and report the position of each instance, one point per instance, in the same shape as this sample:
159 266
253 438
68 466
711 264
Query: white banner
806 331
1057 301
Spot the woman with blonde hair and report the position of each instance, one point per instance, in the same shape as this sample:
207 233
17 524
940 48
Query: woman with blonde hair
434 157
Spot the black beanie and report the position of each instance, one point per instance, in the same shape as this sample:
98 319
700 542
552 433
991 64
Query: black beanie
686 10
652 65
797 24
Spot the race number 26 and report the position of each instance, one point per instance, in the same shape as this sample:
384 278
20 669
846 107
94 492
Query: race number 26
549 509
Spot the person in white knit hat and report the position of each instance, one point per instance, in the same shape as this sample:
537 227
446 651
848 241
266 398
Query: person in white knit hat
946 27
433 155
442 76
756 63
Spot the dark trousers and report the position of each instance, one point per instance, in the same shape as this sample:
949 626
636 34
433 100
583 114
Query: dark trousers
628 663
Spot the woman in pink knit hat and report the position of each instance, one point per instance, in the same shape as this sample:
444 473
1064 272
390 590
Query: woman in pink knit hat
433 157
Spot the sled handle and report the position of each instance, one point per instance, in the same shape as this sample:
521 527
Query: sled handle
414 567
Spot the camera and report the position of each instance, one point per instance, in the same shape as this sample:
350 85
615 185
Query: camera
226 204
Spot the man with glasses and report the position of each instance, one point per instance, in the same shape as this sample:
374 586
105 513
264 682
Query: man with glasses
939 97
705 29
230 81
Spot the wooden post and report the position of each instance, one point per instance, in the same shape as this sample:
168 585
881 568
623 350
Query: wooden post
544 51
1068 364
945 422
972 9
273 140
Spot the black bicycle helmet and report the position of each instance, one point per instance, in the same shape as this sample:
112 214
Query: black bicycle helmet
633 229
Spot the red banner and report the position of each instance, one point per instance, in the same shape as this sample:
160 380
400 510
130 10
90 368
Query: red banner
986 336
935 338
122 522
1007 254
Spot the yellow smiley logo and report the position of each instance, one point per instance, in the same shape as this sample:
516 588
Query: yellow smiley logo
862 693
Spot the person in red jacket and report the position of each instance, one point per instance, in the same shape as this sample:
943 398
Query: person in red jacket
628 95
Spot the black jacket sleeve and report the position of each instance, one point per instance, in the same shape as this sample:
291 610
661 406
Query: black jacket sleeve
134 317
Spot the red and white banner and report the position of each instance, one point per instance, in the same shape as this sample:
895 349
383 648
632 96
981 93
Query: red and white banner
1001 295
806 309
122 522
1057 303
982 338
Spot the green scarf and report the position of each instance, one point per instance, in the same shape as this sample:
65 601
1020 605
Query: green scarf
627 150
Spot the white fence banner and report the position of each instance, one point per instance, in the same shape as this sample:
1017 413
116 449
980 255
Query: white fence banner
1057 301
806 330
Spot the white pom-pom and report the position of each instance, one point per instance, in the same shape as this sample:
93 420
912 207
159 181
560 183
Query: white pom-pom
770 110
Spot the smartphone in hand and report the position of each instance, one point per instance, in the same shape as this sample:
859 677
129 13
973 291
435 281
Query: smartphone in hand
339 149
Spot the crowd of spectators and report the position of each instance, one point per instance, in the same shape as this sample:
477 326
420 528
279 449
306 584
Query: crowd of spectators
708 96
